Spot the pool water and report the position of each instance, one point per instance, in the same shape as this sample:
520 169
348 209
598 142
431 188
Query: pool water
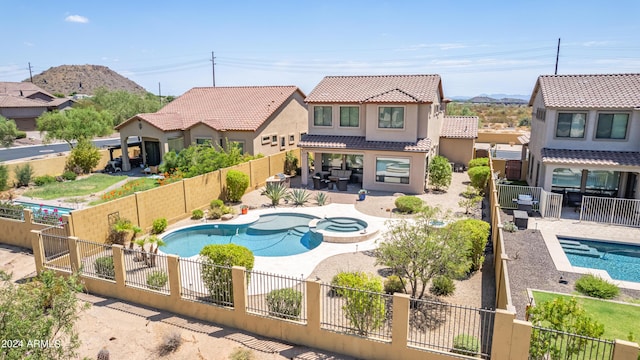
621 261
47 208
280 234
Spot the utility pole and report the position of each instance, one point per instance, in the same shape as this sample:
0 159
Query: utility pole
160 93
30 74
557 56
213 68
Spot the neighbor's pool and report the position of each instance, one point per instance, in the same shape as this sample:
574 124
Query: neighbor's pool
48 208
621 261
279 234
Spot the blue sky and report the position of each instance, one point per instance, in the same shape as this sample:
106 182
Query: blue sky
476 46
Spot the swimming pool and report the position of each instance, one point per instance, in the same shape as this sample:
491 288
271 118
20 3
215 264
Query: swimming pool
48 208
621 261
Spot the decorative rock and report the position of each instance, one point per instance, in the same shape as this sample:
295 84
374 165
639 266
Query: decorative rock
398 194
227 217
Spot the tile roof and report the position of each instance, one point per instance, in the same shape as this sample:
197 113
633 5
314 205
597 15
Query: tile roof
360 143
377 89
524 139
591 157
27 88
222 108
589 91
462 127
10 101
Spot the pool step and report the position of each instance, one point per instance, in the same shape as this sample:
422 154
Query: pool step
582 250
343 228
342 221
569 242
299 230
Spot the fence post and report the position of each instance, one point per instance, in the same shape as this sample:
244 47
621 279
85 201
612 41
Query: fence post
314 305
400 321
520 340
74 254
68 219
502 329
173 267
625 350
118 264
239 281
38 250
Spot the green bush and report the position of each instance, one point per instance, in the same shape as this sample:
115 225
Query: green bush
215 213
440 172
442 286
21 134
197 214
408 204
347 279
466 345
321 198
597 287
285 303
364 304
4 176
479 177
43 180
275 192
69 175
509 226
159 225
483 161
105 268
23 175
216 203
298 197
393 285
237 184
157 279
476 234
83 158
216 269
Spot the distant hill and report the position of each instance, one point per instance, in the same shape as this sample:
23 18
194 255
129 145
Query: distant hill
493 99
83 79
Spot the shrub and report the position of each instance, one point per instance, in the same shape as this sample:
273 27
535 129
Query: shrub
157 279
321 198
483 161
105 268
479 177
215 213
170 343
440 172
476 234
393 284
4 176
290 163
197 214
242 354
509 226
43 180
285 303
347 279
216 203
597 287
83 158
466 345
216 269
23 175
237 184
159 225
442 286
69 175
364 304
21 134
275 192
298 196
409 204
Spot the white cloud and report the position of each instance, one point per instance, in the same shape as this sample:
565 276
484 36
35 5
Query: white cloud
597 43
76 19
26 43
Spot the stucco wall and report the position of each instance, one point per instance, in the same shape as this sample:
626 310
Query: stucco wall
457 150
335 128
498 137
409 133
417 163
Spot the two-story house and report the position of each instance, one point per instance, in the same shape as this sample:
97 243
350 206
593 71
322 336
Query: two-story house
585 134
258 119
384 129
24 102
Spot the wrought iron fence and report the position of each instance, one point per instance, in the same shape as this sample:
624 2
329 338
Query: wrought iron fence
508 196
613 211
354 311
554 344
11 211
97 259
449 327
56 248
206 282
146 270
276 295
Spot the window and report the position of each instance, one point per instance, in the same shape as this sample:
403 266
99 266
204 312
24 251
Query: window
392 170
176 144
602 180
349 116
282 142
566 178
612 126
292 138
266 139
322 115
274 140
238 144
391 117
202 141
571 125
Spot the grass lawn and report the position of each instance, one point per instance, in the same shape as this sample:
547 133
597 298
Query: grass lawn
129 188
618 319
86 186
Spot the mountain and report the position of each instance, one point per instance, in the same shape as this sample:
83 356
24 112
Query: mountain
83 79
494 98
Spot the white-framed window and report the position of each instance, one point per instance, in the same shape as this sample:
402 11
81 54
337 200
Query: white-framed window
203 140
571 125
266 139
292 139
612 126
391 117
322 116
393 170
274 140
349 116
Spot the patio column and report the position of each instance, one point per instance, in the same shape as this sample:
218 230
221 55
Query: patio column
126 165
583 180
622 184
304 165
637 192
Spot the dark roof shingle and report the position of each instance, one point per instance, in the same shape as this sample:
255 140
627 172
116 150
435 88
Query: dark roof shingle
589 91
361 143
461 127
591 157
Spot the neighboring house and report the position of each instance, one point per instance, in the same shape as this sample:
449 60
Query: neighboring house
458 138
585 134
383 129
23 102
258 119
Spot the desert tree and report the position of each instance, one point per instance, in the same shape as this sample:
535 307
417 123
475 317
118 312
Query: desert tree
74 124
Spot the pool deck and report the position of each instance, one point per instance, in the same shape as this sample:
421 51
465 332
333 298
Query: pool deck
550 229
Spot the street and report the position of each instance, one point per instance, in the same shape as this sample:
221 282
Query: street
31 151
